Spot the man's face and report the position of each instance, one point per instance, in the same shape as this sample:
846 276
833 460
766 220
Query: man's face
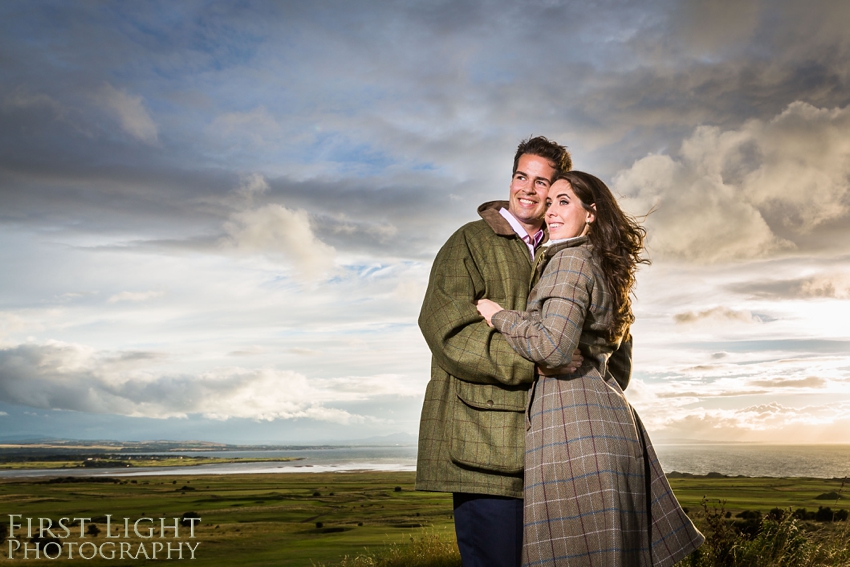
529 187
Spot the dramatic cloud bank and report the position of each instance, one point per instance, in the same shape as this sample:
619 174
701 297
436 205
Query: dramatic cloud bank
769 188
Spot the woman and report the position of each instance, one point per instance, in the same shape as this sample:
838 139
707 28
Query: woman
595 493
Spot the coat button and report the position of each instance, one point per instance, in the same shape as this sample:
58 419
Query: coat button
489 403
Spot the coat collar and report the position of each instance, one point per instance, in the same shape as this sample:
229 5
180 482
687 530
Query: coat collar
489 211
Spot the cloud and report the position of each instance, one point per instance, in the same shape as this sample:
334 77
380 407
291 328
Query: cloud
717 313
305 351
20 99
762 190
249 351
73 377
2 413
808 382
711 27
135 296
768 422
257 127
279 233
130 112
832 286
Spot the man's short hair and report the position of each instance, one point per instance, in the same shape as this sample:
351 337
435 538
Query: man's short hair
540 146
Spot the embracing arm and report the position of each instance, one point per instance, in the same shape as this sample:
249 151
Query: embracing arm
549 336
462 344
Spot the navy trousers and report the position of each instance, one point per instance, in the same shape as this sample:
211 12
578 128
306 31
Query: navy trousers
489 530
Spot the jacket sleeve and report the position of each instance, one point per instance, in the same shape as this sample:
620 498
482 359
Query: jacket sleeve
549 336
620 363
459 339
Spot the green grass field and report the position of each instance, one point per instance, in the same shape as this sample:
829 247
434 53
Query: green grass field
303 519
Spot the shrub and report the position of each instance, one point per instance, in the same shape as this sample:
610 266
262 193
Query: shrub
778 541
184 519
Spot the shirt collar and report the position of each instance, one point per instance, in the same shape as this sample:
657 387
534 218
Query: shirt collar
531 241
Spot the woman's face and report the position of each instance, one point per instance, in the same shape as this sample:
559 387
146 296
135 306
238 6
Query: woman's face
565 216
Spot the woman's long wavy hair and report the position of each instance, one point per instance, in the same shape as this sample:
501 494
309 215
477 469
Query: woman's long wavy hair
617 241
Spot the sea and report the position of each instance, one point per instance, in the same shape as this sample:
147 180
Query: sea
732 459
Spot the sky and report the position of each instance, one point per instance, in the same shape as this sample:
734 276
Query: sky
217 219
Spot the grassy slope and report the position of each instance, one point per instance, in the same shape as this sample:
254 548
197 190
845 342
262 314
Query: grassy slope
271 519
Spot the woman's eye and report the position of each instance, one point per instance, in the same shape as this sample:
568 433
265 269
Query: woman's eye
564 202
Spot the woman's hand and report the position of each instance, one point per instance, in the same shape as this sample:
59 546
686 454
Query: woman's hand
487 309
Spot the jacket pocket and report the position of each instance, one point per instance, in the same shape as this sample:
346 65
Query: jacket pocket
488 428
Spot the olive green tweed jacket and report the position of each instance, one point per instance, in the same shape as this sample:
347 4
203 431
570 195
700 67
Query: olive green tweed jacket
471 436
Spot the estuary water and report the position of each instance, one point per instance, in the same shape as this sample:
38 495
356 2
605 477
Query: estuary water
817 461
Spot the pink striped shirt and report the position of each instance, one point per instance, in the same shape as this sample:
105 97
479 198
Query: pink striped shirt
531 241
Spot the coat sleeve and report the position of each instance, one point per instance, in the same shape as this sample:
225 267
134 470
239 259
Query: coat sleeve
620 363
549 336
459 339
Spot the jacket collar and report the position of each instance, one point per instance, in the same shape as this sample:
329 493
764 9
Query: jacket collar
489 211
556 247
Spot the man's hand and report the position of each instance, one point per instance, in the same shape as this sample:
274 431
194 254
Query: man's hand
569 368
487 309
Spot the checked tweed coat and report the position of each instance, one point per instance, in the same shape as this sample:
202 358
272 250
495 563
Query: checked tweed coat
595 493
472 432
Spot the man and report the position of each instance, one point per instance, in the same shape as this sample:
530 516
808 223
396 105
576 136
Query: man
471 436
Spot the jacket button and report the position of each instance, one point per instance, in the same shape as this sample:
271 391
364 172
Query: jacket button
489 403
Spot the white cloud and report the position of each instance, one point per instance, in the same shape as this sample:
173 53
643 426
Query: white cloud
281 233
135 296
761 190
66 376
130 112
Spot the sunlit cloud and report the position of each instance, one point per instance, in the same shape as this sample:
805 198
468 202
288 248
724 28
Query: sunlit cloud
720 313
808 382
758 191
278 232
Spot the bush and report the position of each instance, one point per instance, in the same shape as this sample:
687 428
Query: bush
184 519
778 541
